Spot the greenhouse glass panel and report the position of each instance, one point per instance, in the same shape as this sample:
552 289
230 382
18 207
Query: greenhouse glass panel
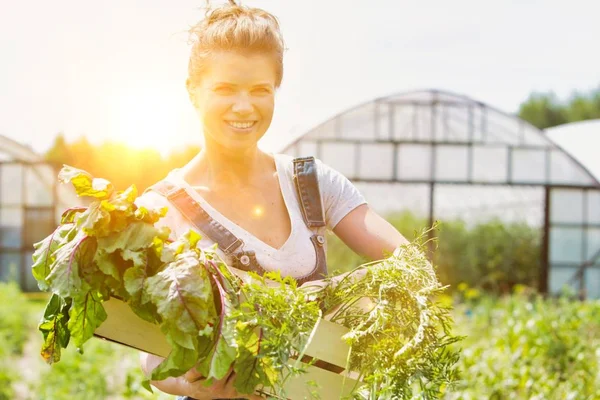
307 148
479 203
340 156
593 244
396 197
563 170
423 130
566 245
456 125
490 164
30 284
358 123
383 116
478 116
451 163
528 166
534 137
11 184
376 161
39 223
405 122
592 283
10 266
566 206
11 220
559 277
502 129
593 207
39 185
414 162
326 130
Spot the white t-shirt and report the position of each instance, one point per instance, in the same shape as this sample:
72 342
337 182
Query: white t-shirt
297 256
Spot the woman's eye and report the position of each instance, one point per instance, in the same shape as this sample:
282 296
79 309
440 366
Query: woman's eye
262 91
224 90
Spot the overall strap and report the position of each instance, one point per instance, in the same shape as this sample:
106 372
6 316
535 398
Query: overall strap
193 211
307 187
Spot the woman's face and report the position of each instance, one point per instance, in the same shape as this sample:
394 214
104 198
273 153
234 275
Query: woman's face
235 99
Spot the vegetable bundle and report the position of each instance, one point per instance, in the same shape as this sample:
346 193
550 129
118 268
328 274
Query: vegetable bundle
214 321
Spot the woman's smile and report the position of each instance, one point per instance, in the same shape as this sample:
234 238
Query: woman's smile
241 126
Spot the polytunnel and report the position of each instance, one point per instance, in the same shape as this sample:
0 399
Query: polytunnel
442 155
30 205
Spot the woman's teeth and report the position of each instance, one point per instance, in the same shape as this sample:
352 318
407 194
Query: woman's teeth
241 125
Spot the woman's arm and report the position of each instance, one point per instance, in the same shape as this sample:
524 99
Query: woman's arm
368 234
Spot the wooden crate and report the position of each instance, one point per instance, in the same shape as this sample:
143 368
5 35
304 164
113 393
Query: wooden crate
125 327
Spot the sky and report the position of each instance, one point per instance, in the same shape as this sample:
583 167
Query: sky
116 70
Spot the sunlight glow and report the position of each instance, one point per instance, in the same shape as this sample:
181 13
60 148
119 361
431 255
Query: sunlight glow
258 211
145 119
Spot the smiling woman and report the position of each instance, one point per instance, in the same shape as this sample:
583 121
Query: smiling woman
149 118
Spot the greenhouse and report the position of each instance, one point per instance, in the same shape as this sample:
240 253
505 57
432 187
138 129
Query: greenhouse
30 204
443 156
581 140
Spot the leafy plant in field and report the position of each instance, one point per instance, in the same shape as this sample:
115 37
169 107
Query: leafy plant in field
7 377
13 320
528 347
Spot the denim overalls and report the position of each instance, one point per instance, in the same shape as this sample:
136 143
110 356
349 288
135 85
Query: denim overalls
307 187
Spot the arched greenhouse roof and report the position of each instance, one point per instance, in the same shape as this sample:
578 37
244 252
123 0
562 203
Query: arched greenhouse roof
581 140
433 135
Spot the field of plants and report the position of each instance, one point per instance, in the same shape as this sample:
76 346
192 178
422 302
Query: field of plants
517 346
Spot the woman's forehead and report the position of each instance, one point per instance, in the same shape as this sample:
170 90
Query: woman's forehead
240 68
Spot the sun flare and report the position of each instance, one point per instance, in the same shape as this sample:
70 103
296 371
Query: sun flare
147 119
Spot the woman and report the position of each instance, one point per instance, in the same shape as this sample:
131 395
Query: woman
266 211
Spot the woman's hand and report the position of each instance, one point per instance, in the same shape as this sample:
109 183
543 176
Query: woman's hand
220 389
191 384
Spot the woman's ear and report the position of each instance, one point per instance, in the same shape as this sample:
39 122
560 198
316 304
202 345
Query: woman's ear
190 90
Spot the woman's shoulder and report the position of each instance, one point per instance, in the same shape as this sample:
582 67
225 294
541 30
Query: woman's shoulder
151 198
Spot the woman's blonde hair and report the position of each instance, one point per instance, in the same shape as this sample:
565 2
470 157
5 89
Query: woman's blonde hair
238 28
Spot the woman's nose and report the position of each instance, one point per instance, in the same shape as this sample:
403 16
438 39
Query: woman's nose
242 104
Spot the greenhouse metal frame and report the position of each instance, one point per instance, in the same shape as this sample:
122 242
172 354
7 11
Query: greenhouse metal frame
434 145
29 202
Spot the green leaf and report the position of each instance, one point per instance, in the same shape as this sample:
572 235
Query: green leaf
136 236
250 369
44 255
64 278
108 264
183 297
84 183
71 215
54 328
223 352
95 221
179 361
86 314
134 281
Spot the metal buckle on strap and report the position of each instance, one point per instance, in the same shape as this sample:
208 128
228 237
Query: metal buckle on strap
235 245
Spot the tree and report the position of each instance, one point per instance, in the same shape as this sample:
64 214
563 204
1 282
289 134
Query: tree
545 110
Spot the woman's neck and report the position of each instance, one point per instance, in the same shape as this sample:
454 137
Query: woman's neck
215 169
